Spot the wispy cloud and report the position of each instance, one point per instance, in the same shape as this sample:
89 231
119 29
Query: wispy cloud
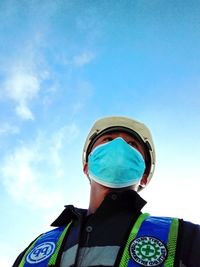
5 260
23 71
64 135
22 87
41 53
24 80
23 171
8 254
22 180
83 59
7 128
84 91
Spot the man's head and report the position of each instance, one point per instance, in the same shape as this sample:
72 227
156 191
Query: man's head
133 132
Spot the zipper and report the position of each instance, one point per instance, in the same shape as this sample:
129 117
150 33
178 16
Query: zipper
78 260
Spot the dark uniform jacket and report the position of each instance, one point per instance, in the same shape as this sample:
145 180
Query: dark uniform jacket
99 239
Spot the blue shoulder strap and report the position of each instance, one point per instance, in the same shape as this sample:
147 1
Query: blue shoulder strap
152 242
45 250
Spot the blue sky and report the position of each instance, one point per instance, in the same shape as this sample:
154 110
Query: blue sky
65 64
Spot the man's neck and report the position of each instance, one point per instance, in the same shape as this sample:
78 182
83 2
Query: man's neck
97 194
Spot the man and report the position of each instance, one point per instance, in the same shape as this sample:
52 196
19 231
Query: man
119 160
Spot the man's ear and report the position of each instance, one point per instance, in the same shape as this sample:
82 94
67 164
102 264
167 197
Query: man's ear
143 181
85 168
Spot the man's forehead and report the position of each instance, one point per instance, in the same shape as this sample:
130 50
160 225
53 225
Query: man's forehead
118 133
121 131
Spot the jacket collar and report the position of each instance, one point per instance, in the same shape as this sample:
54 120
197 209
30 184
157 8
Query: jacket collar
114 202
69 213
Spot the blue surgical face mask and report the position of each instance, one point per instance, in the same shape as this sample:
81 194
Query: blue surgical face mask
116 164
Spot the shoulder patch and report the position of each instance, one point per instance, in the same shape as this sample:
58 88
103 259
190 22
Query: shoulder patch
148 251
41 252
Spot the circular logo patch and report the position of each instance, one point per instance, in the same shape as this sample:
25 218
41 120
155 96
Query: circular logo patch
148 251
40 252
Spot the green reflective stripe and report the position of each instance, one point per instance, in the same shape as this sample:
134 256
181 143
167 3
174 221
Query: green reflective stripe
28 250
54 257
125 257
171 244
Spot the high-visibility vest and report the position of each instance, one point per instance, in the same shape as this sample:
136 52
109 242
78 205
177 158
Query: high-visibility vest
151 242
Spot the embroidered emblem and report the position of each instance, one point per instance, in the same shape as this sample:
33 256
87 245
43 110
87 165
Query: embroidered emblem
40 252
148 251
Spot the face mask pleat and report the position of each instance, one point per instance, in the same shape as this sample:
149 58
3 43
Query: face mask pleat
116 164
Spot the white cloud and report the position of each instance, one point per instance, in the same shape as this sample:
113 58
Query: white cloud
22 180
24 112
84 92
30 170
5 260
23 73
21 87
7 254
172 197
6 128
66 135
83 59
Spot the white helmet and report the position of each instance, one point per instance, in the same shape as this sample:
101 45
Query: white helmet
133 127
